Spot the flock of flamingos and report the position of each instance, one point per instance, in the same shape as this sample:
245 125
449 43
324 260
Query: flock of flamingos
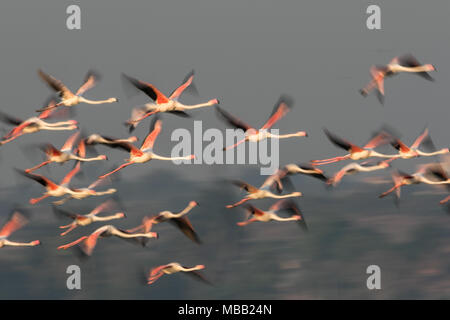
74 148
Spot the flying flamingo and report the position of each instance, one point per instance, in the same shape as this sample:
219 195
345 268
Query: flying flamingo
271 215
282 107
405 63
445 200
16 222
178 219
163 103
64 154
276 180
68 98
90 241
34 124
402 179
52 189
100 139
406 152
355 167
254 193
91 217
355 152
175 267
145 152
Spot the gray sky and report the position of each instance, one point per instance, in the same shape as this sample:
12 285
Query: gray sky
245 53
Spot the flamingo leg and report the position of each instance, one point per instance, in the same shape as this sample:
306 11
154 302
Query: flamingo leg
153 278
38 166
389 191
445 200
36 200
60 202
235 145
148 114
237 203
12 138
115 170
71 227
71 244
328 161
244 223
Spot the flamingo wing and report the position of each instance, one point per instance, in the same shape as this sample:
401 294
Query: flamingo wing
90 80
376 141
232 120
400 146
341 143
63 213
66 180
39 179
185 226
283 106
149 89
246 186
16 222
198 276
420 139
186 84
56 85
68 145
155 129
9 119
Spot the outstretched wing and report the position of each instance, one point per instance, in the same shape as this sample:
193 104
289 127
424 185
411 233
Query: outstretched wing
16 222
10 120
246 186
56 85
232 120
283 106
155 129
186 84
341 143
148 89
185 226
91 79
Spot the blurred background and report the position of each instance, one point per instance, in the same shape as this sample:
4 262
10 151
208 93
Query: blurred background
245 53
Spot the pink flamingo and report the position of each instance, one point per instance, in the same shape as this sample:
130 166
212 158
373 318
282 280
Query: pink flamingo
258 193
145 152
282 107
68 98
64 154
405 63
16 222
34 124
175 267
91 217
271 215
163 103
89 242
355 152
178 219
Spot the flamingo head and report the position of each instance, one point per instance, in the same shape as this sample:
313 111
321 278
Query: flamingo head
430 67
103 157
200 266
193 203
297 194
214 101
132 139
35 243
120 215
73 122
113 100
302 134
297 217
